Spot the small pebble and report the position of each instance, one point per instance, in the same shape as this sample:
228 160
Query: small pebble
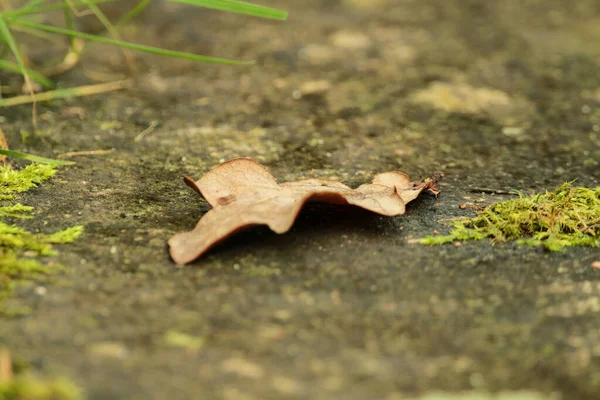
313 87
108 349
41 291
350 40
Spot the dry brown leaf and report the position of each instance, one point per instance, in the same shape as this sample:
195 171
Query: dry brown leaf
243 193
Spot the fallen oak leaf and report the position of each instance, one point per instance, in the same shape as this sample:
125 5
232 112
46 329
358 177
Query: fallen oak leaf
243 193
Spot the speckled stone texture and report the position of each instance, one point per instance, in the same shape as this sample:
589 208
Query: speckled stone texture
497 94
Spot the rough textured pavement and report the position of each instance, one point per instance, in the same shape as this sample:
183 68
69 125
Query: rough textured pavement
502 95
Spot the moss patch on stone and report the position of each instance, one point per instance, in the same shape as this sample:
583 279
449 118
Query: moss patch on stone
32 388
179 339
568 216
17 181
17 245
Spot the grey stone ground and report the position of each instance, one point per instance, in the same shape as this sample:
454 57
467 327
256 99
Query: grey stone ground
502 94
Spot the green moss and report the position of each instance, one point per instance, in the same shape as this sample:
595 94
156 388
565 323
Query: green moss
16 181
18 247
565 217
14 238
30 388
65 236
15 211
262 270
183 340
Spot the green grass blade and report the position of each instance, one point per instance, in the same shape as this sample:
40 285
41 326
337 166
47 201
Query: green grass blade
36 76
30 157
25 7
32 4
7 37
102 18
67 12
32 32
239 7
133 12
46 8
126 45
223 5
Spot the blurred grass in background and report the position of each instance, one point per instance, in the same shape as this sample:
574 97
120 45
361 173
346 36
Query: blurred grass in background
27 18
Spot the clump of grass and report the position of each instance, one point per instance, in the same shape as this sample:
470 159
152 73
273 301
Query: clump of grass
568 216
24 19
18 246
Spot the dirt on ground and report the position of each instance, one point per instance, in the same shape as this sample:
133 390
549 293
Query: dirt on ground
502 95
